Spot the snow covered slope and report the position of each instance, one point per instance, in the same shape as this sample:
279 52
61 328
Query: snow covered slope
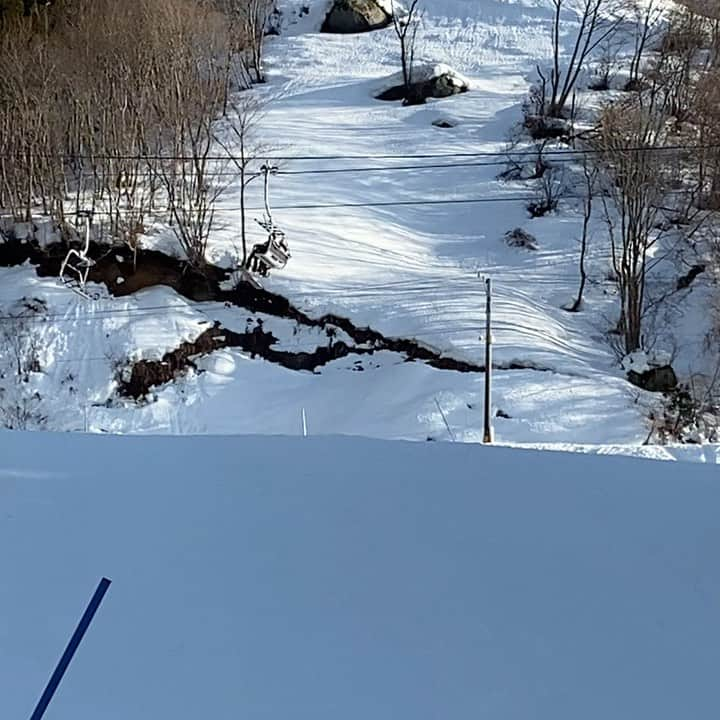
412 270
381 255
338 578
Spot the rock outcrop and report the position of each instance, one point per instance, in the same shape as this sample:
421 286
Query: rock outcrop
431 81
355 16
658 379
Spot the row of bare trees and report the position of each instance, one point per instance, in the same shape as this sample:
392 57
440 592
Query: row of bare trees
112 106
652 163
654 156
651 167
659 152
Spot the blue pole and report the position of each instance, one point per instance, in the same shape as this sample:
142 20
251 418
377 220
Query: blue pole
67 656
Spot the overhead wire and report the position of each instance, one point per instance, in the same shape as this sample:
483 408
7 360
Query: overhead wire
381 204
507 152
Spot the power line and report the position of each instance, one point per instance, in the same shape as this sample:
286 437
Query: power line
397 156
380 204
96 314
501 153
99 314
323 171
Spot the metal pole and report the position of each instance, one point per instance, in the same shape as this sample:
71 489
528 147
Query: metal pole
488 433
73 645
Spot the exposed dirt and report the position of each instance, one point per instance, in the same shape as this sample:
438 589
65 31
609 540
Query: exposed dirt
147 374
686 281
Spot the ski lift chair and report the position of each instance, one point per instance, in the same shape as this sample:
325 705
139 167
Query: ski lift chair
273 254
76 266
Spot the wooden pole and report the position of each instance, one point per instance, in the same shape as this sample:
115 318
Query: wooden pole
488 433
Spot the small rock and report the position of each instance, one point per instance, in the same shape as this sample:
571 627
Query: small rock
444 124
521 238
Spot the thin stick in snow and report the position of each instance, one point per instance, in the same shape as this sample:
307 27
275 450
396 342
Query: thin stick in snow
445 420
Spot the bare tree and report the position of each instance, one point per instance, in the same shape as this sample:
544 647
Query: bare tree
20 405
607 63
256 17
590 177
406 25
646 17
551 188
248 25
93 108
598 21
629 144
193 180
245 152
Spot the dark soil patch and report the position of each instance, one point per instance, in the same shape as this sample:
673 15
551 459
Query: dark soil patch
114 268
540 127
147 374
686 281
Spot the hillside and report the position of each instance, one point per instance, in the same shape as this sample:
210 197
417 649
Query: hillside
390 221
268 577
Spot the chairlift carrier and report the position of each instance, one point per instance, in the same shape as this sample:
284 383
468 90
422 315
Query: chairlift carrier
76 266
273 254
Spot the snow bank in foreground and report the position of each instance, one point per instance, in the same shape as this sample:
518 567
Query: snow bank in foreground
322 579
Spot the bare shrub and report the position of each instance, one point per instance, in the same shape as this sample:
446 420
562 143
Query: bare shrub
688 415
20 405
406 25
550 190
598 21
627 142
590 178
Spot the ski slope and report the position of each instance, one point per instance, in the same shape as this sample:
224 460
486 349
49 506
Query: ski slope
412 271
382 254
273 578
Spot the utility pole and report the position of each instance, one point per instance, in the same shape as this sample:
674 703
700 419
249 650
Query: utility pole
488 433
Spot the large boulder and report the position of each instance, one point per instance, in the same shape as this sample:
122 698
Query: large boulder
657 379
356 16
428 81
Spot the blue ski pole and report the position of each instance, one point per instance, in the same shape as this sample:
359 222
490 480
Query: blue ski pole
72 646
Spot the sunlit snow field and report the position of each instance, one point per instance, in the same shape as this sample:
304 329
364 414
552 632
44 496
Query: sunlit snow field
410 270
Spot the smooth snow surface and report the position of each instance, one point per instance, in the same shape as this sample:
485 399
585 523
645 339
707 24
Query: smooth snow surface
337 578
